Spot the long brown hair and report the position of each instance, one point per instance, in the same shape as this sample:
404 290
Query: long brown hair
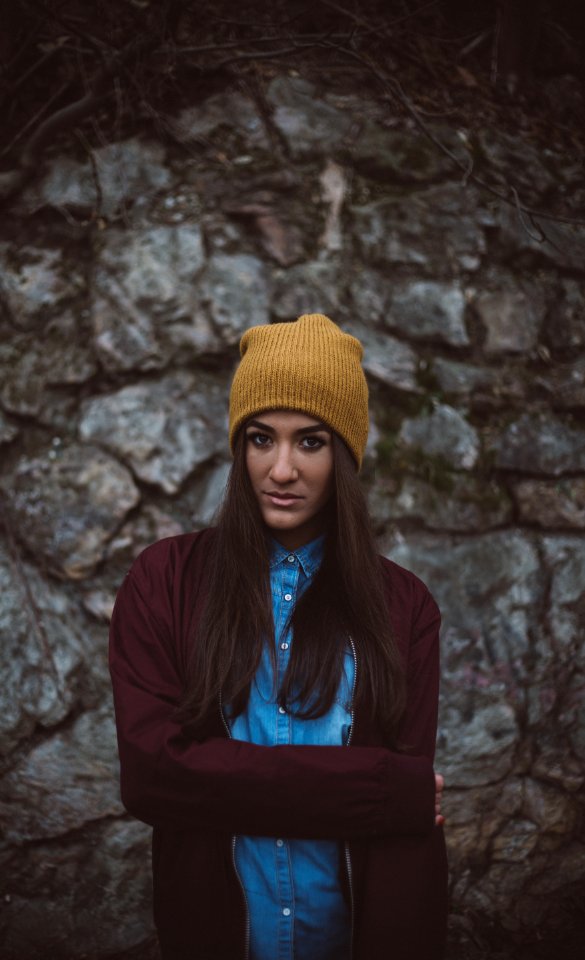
346 598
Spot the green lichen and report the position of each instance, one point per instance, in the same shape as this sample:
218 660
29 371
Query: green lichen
398 461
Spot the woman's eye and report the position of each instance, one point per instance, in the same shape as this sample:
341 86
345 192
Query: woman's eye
258 439
313 443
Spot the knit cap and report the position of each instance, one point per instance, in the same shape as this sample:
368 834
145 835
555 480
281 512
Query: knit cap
308 365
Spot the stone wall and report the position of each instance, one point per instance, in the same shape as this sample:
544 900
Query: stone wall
126 281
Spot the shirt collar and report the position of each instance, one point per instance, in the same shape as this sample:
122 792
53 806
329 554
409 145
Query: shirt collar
309 556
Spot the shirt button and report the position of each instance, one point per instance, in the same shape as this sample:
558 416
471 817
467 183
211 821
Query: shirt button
286 912
284 645
291 559
281 710
288 596
280 843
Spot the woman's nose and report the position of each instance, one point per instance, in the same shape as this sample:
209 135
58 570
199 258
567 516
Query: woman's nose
283 468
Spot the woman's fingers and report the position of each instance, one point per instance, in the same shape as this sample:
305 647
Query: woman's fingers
439 785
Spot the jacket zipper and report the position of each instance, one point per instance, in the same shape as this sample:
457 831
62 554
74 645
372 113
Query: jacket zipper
239 879
347 851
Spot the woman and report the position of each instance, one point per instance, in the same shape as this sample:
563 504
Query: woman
276 687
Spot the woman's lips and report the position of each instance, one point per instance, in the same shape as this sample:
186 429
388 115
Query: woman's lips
281 499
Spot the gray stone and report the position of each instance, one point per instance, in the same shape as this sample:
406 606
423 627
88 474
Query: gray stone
151 524
564 384
565 559
398 156
31 366
552 503
163 429
100 604
465 379
557 244
511 321
556 765
127 170
35 280
438 225
515 842
209 494
229 109
461 503
489 589
565 323
460 378
444 433
549 808
282 240
50 906
234 291
144 297
41 652
387 359
307 288
309 125
8 431
67 503
428 310
540 444
65 782
371 293
564 867
505 152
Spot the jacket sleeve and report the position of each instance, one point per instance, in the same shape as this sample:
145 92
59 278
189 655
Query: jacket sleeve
418 729
169 779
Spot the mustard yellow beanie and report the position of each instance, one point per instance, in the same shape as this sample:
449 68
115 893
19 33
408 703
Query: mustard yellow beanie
308 365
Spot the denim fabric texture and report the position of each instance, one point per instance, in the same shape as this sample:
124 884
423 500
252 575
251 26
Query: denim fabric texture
296 908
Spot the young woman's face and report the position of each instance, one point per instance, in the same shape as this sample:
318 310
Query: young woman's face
289 456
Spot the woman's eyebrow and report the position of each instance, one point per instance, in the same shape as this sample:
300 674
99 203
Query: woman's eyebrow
302 430
315 429
260 425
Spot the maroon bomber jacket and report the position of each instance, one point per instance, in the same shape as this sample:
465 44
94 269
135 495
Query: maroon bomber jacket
198 793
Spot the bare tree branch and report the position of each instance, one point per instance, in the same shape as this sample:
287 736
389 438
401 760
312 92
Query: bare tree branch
393 88
13 181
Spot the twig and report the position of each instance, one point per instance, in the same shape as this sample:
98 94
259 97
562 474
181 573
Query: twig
95 172
231 44
475 43
32 70
541 236
34 120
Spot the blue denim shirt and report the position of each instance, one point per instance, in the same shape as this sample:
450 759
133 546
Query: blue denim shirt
295 904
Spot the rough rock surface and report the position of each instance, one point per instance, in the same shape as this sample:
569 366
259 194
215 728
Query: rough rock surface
67 503
163 429
551 503
430 310
34 281
117 338
462 503
143 290
443 433
117 174
510 319
63 783
387 359
389 231
41 653
540 444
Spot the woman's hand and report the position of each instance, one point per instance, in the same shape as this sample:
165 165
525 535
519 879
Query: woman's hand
439 784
